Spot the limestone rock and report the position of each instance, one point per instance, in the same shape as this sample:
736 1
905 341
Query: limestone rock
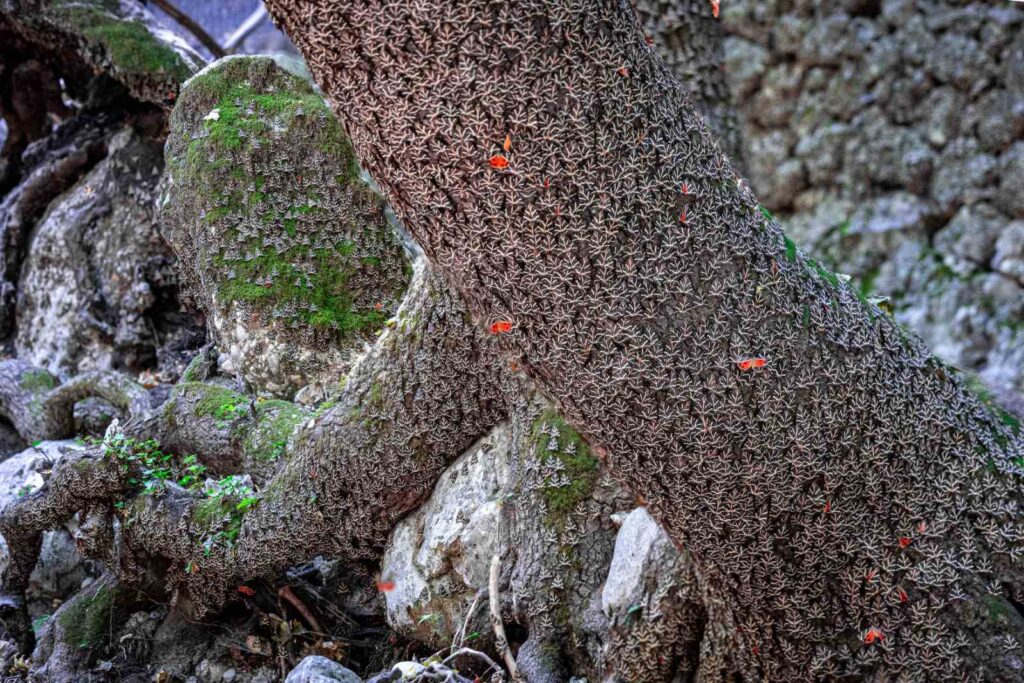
636 544
317 669
263 203
439 557
1009 253
98 281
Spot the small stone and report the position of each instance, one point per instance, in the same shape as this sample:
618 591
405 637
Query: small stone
316 669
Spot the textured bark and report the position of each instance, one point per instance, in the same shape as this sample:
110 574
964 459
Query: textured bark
39 409
851 503
425 392
690 39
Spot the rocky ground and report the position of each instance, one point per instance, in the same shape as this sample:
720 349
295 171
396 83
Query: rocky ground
888 137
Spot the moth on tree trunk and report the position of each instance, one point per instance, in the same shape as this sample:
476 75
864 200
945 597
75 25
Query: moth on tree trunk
853 504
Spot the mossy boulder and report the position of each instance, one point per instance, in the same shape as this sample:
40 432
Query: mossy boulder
282 243
115 41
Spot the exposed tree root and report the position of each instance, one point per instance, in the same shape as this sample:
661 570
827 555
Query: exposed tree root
428 389
38 408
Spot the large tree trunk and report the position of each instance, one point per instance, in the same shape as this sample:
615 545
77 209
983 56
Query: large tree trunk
853 505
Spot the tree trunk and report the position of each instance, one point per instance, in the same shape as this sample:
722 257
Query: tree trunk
852 504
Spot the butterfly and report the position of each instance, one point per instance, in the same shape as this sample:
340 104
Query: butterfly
501 327
873 634
751 363
498 162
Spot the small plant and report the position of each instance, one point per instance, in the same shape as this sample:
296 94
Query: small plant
194 472
226 502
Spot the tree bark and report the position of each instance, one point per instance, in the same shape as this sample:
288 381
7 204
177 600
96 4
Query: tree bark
426 391
853 505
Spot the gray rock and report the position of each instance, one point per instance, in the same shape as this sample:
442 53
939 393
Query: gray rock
1010 195
292 296
637 542
766 153
961 61
1000 119
968 242
439 557
87 299
943 111
1009 251
745 63
960 173
316 669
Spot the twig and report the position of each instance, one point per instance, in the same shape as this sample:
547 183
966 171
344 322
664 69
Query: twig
190 24
496 622
286 593
322 602
460 635
472 653
251 23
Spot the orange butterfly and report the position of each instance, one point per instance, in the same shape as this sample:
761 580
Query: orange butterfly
751 363
714 8
498 161
245 590
501 327
873 634
385 586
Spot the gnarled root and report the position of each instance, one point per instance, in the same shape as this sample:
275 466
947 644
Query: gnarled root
39 409
428 389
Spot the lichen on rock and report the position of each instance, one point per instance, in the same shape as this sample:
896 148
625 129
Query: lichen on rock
288 250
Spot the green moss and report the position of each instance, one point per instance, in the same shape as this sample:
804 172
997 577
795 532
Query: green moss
37 380
321 297
128 43
581 468
208 512
998 609
790 247
87 619
216 402
247 114
193 371
293 282
275 422
824 273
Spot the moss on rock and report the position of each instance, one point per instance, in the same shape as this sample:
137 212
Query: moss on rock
264 198
560 445
88 618
128 44
275 423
